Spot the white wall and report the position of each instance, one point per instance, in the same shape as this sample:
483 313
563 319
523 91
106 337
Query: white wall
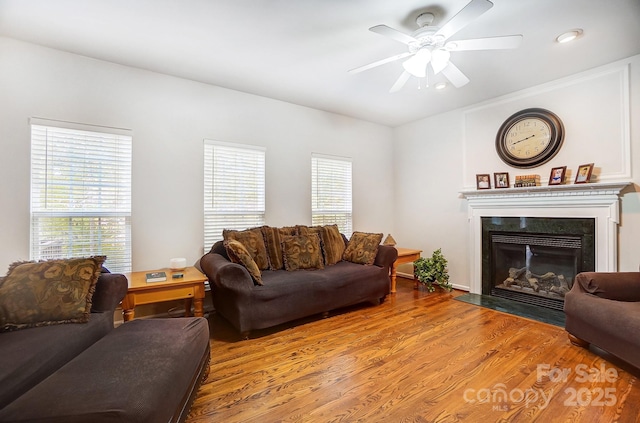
438 157
169 118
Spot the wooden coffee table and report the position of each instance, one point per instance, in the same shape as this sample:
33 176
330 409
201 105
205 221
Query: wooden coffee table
190 288
405 255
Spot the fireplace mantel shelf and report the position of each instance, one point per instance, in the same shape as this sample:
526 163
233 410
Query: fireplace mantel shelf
600 188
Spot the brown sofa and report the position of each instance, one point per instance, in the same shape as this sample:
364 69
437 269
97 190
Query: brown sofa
285 295
146 370
603 309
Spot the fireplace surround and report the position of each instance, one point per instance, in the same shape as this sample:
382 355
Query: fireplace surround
596 202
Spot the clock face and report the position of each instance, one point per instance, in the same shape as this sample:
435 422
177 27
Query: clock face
529 138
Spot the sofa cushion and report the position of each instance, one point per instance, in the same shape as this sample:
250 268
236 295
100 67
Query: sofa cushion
238 254
302 252
48 292
146 370
273 242
362 248
253 241
31 355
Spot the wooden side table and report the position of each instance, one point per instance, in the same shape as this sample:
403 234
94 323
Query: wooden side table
190 288
405 255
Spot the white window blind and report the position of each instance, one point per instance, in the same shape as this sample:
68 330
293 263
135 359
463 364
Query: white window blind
80 192
331 192
234 188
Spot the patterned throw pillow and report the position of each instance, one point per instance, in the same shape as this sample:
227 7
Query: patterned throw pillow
273 243
48 292
239 254
362 248
253 241
302 252
331 241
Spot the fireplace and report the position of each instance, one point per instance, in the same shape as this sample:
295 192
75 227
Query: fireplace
535 259
596 202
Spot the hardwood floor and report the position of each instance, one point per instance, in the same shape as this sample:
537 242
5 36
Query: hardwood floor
418 357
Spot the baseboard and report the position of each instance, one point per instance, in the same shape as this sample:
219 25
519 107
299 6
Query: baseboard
410 276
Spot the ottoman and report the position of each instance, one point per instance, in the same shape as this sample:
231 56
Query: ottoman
143 371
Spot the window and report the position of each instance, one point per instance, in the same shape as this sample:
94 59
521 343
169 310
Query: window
331 192
234 188
80 192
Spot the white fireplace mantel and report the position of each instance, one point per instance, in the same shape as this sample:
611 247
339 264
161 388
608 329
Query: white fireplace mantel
599 201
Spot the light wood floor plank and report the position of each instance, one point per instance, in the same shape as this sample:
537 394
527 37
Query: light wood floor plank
419 357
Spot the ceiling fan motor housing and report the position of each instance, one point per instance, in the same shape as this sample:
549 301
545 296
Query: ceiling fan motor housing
426 34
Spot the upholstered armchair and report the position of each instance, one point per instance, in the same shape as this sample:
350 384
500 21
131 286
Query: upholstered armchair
603 309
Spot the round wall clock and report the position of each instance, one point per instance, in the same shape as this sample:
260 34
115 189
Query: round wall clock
529 138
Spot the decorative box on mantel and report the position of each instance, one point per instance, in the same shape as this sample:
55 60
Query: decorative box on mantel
599 201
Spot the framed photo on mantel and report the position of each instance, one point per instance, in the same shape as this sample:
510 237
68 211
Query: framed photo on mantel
483 181
501 180
583 176
557 175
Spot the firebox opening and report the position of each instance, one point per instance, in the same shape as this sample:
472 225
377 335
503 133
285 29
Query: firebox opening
535 260
539 265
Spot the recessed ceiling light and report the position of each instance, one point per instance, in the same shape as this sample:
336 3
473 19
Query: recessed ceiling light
569 36
440 86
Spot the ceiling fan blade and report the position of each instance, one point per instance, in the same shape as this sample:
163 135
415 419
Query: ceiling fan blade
380 62
471 11
393 33
490 43
455 76
404 77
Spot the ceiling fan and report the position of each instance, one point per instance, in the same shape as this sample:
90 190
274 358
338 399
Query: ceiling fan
430 45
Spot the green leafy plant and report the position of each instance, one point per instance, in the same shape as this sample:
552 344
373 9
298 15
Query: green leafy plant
431 271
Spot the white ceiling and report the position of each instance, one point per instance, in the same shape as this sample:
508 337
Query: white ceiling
300 51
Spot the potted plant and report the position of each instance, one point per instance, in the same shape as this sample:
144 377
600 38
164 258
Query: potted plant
433 271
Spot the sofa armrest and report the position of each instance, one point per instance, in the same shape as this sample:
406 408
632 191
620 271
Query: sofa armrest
387 254
110 290
619 286
224 273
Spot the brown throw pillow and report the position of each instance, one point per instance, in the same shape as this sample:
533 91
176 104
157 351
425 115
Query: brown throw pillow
332 244
302 252
48 292
254 243
239 254
331 241
362 248
273 243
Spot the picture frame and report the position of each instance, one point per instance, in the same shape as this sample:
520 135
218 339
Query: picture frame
501 180
556 177
583 175
483 181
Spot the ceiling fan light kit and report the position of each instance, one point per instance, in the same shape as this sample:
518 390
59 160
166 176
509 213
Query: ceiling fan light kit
428 46
417 64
